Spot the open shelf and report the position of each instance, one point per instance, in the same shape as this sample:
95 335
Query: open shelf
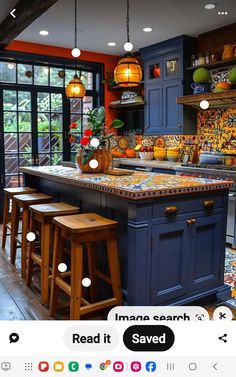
127 106
218 64
225 99
117 87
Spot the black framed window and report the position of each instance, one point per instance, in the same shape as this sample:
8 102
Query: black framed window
35 116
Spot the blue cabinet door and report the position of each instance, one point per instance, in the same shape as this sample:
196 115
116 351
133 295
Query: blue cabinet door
206 250
153 109
169 261
172 113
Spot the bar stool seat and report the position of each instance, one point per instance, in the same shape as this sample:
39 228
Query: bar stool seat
43 214
79 229
8 195
23 201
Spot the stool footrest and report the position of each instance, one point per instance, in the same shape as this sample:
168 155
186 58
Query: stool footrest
98 305
102 276
63 285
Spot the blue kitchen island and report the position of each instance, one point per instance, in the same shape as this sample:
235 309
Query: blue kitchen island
171 229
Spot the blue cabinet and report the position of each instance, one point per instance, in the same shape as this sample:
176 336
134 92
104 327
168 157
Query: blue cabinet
164 80
185 257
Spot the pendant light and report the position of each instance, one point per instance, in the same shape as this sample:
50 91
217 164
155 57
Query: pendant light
75 89
128 72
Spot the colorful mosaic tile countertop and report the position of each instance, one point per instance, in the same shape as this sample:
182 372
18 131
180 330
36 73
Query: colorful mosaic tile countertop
139 185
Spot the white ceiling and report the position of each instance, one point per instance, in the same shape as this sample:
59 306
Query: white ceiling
101 21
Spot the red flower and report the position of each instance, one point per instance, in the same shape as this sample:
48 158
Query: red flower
84 141
88 132
73 125
71 139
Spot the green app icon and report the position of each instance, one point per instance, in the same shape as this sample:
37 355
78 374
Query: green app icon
73 366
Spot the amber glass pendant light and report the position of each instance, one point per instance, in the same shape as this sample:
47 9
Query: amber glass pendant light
128 72
75 89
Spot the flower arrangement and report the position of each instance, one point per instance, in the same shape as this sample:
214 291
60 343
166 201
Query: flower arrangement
96 134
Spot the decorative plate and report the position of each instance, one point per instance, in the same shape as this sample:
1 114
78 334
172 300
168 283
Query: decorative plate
123 143
160 142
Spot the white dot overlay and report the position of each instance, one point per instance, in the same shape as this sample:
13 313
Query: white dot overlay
94 142
31 236
204 104
62 267
86 282
93 164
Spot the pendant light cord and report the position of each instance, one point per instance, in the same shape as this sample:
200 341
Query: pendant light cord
75 23
127 21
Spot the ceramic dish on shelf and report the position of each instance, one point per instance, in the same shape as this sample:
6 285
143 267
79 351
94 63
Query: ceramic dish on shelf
211 158
122 143
146 155
160 142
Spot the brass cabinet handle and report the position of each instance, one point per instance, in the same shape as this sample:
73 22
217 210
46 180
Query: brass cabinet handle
191 221
171 209
208 204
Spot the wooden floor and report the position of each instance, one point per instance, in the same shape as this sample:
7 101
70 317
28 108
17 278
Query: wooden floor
18 302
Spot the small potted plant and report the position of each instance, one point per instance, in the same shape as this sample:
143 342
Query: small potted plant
94 154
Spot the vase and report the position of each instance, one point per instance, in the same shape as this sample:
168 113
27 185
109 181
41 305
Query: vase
102 156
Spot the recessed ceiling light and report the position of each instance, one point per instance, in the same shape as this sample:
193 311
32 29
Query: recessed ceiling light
43 32
147 29
223 13
111 44
210 6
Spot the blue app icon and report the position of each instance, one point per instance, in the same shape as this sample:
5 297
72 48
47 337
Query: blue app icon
151 366
88 366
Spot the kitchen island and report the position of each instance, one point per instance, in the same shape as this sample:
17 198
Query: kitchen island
171 229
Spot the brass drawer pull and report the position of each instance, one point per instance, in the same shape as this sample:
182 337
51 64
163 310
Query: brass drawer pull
208 204
191 221
172 209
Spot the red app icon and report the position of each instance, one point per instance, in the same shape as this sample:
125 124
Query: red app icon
118 366
43 366
135 366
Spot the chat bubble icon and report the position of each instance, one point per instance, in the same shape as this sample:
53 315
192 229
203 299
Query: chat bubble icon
14 337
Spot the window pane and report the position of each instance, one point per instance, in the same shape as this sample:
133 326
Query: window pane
76 106
26 159
25 74
25 142
11 181
41 75
56 102
56 122
69 75
43 142
56 142
24 101
10 121
7 72
11 164
9 100
43 122
87 79
56 158
76 118
10 143
43 102
57 77
24 122
44 159
87 104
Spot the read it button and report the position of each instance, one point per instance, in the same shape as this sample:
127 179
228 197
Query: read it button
148 338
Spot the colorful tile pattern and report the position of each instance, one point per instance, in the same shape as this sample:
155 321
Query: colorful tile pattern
139 185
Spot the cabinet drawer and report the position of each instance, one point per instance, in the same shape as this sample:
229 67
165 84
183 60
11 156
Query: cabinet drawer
169 208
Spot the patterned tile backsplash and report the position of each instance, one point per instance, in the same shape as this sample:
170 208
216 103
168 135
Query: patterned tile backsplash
216 130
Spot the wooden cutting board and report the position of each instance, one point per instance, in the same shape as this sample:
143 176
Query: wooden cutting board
119 172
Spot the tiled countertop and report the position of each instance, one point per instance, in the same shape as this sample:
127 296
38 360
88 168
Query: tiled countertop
145 163
139 185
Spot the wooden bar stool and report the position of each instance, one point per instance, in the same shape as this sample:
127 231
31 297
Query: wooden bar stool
44 214
84 228
23 201
8 195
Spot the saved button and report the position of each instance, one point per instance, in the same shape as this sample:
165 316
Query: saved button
148 338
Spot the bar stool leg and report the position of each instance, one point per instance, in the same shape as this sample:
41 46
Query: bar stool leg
25 227
76 279
92 266
114 265
45 245
31 249
5 220
14 230
58 248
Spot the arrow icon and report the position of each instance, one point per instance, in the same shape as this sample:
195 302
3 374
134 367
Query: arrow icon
12 13
215 366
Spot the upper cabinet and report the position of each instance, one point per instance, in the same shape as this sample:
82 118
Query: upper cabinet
164 80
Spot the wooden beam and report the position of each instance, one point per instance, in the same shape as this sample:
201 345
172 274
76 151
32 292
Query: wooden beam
26 12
